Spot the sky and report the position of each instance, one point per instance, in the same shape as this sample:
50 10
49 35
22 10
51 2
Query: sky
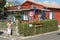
50 1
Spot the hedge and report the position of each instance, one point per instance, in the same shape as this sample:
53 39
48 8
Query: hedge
50 25
47 26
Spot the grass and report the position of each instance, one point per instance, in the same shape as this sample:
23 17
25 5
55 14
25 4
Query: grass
3 24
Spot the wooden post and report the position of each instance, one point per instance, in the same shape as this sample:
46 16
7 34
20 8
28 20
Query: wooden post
17 28
35 29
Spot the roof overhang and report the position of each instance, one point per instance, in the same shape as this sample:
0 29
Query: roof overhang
30 9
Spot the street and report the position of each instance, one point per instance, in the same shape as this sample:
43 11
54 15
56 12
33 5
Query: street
50 36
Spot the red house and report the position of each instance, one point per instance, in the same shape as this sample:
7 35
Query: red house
31 11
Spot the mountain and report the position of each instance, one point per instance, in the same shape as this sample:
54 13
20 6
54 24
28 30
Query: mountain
14 3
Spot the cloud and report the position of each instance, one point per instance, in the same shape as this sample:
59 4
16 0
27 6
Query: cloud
16 3
45 2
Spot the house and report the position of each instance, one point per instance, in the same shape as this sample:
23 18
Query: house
31 11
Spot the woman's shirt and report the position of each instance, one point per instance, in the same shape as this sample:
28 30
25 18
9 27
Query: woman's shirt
9 25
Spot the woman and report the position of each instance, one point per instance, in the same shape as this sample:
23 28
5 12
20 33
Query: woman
9 27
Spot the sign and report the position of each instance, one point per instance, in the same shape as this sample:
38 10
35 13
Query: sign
30 25
31 13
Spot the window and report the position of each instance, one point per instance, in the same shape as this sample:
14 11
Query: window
51 15
41 15
24 15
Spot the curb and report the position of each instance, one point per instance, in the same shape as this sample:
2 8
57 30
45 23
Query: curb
38 35
31 36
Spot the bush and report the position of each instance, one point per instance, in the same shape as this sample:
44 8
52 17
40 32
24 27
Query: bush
47 26
25 30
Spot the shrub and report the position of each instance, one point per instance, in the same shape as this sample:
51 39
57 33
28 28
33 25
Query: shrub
47 26
25 30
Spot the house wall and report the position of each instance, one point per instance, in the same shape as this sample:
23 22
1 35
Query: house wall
47 14
29 5
26 6
36 16
56 14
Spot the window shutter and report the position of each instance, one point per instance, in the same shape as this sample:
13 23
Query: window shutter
43 15
22 17
52 15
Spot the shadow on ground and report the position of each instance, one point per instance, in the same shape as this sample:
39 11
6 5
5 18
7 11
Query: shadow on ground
58 33
1 32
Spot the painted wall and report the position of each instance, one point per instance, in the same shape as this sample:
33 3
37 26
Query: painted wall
36 16
27 5
47 14
57 16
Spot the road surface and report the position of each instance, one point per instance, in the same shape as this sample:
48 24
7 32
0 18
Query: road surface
51 36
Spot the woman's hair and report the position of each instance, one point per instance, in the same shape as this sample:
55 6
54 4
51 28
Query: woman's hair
9 21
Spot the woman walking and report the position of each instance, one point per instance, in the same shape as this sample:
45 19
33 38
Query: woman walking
9 27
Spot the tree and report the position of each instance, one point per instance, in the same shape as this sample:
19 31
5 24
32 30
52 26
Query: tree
2 3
